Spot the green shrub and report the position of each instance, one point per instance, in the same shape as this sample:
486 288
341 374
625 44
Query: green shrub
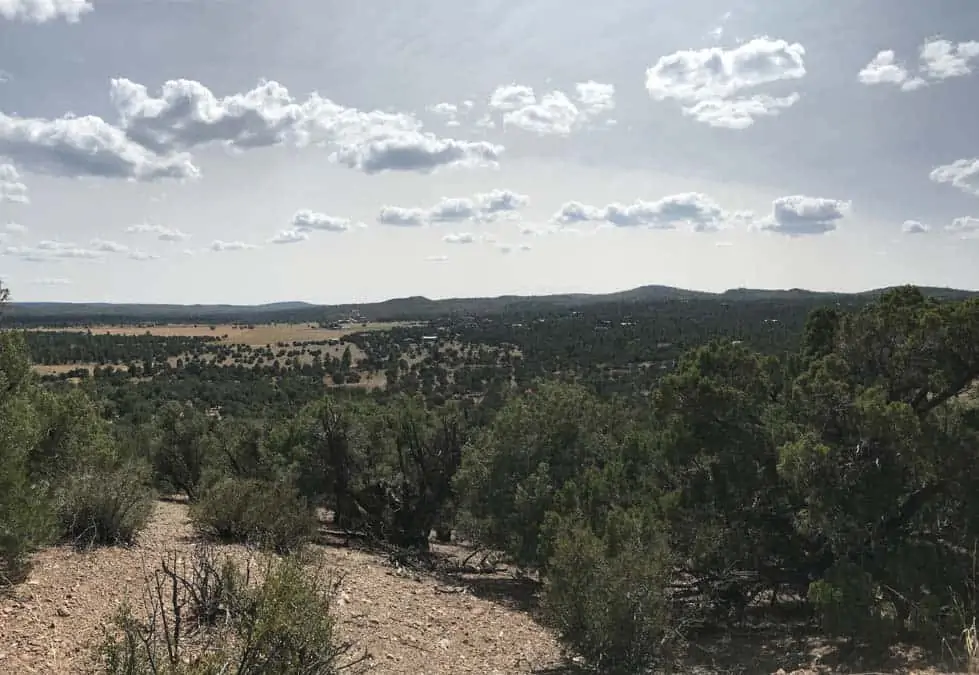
26 519
104 507
272 515
605 595
286 625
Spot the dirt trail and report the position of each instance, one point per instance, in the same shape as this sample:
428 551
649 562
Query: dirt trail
409 624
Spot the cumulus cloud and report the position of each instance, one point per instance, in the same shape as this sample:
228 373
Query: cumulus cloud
914 227
962 174
938 60
709 82
695 209
941 59
41 11
85 146
739 113
553 113
436 258
305 220
52 281
482 207
885 69
51 251
290 237
162 233
108 246
799 215
219 246
416 151
186 115
11 187
15 228
595 97
401 216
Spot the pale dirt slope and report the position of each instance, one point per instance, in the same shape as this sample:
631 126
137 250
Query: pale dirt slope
409 624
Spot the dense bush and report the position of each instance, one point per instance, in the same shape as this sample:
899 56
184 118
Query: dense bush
272 515
104 507
26 519
606 594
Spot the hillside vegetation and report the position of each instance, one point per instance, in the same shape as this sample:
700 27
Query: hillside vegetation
658 472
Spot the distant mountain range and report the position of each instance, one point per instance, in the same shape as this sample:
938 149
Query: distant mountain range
415 307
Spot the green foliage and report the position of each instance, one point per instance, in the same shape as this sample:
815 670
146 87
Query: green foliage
285 625
272 515
182 448
606 593
104 507
385 471
26 518
513 471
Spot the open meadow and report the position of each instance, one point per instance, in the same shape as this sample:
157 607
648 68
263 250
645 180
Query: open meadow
238 334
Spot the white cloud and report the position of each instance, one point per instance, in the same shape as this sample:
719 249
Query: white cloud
554 113
108 246
188 115
739 113
85 146
40 11
707 81
799 215
219 246
941 59
11 187
15 228
290 237
966 226
595 97
306 220
405 217
695 209
937 60
915 227
460 238
436 258
962 173
416 151
50 251
885 69
512 97
482 207
52 281
142 256
162 233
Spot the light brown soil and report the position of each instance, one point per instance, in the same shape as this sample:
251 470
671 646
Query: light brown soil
408 623
260 335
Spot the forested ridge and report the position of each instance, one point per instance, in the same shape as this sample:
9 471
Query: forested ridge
667 469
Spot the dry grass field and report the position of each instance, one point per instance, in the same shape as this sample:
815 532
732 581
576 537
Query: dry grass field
259 335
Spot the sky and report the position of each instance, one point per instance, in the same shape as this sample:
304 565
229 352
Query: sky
252 151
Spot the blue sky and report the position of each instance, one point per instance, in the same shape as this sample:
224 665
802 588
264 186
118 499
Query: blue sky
251 151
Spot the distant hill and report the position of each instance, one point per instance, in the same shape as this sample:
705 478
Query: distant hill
415 307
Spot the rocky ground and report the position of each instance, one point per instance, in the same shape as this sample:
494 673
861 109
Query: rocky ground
407 622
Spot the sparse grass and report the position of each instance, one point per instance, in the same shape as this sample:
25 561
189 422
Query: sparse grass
261 334
971 640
